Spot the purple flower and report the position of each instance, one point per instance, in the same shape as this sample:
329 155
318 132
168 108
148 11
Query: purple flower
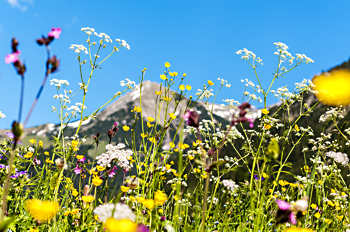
12 58
2 166
285 213
36 161
162 218
112 172
192 118
55 33
142 228
18 174
78 170
251 122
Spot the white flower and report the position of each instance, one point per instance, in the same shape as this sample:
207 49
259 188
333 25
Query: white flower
78 48
230 185
338 157
123 43
117 153
206 93
301 205
59 83
88 30
2 115
121 211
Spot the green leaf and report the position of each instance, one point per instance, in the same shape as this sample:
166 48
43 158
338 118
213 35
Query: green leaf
4 224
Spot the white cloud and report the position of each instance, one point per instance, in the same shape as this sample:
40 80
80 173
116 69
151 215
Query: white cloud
20 4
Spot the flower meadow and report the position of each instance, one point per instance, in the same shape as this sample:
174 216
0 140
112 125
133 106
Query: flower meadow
263 169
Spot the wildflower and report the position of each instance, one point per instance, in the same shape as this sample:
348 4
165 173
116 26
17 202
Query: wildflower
158 92
284 212
74 192
126 128
42 210
188 87
333 88
59 163
265 111
167 64
267 126
100 168
120 225
338 157
32 141
298 229
192 118
55 33
172 116
210 83
163 77
12 58
97 181
160 198
142 228
28 155
88 198
116 211
78 170
230 185
124 189
317 215
149 204
182 87
117 153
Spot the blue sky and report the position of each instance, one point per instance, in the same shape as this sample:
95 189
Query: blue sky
196 37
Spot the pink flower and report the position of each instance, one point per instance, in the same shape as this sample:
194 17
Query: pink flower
55 32
12 58
283 205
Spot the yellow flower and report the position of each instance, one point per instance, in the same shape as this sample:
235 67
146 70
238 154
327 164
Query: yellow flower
49 161
210 83
149 124
100 168
163 77
126 128
158 92
124 189
333 88
313 206
328 221
149 204
34 230
298 229
137 109
75 143
74 211
173 74
283 182
188 87
42 210
160 198
79 157
167 64
120 225
317 215
88 199
182 87
143 135
32 141
177 197
267 126
171 145
46 153
184 74
74 192
97 181
150 119
28 155
140 199
190 157
172 116
66 213
296 127
41 144
265 111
